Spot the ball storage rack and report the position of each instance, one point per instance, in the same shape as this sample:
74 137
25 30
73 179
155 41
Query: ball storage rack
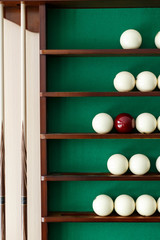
48 217
35 23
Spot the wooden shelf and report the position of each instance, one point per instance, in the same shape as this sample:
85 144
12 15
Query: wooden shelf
100 177
100 94
92 217
100 136
89 3
100 52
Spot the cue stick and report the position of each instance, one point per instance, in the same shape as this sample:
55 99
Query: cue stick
23 126
2 150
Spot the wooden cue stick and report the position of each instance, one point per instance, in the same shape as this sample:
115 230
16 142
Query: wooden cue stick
2 150
23 122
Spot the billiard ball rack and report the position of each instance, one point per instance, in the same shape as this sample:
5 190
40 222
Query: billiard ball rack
50 217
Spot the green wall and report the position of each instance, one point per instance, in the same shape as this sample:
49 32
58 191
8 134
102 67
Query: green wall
96 28
99 28
107 231
94 73
91 155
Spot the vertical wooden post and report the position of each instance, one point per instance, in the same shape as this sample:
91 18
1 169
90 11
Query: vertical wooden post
23 126
2 150
42 10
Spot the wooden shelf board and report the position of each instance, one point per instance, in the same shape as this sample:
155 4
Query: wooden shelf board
100 52
92 217
100 94
89 3
100 177
100 136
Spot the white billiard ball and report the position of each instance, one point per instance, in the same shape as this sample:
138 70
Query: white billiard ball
124 81
102 123
146 205
158 123
103 205
124 205
157 40
158 204
139 164
146 123
131 39
146 81
159 81
117 164
158 164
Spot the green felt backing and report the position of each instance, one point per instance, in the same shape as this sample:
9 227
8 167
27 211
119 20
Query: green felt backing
96 28
76 114
99 28
70 196
92 155
94 73
100 231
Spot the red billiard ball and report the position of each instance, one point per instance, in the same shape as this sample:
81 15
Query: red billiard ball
124 123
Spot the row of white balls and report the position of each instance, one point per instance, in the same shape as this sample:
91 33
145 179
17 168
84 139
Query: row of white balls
131 39
146 81
145 123
125 205
138 164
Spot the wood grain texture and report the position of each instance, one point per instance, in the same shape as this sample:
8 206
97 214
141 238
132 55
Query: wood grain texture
100 52
2 216
100 136
92 217
24 186
24 165
100 177
2 187
24 126
100 94
2 122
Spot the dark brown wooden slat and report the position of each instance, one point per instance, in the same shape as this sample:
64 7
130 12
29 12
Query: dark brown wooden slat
100 94
100 177
100 136
43 124
92 217
89 3
44 231
32 16
100 52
